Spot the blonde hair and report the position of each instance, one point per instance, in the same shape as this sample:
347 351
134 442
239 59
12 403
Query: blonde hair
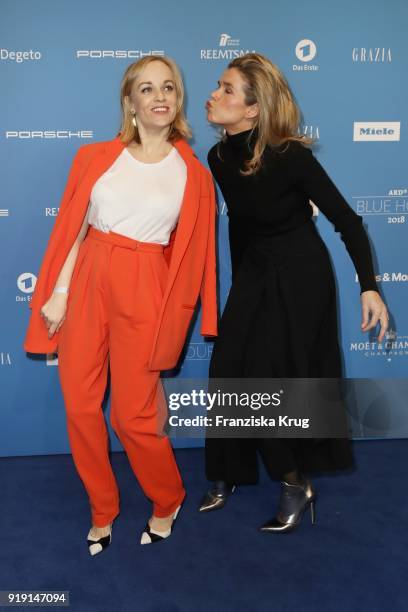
279 116
179 128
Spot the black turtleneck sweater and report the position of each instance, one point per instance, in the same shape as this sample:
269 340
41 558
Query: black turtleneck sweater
276 199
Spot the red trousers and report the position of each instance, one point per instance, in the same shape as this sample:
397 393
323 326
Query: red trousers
114 300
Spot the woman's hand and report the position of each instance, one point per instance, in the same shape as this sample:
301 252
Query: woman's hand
53 312
372 304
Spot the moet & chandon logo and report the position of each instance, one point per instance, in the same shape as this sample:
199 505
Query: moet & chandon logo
389 277
393 345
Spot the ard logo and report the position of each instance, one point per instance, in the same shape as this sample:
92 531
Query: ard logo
306 50
398 192
26 282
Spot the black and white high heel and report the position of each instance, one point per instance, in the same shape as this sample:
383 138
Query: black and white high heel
97 545
150 536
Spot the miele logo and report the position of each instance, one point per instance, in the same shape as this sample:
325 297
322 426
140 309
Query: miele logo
373 55
19 56
376 130
115 53
46 135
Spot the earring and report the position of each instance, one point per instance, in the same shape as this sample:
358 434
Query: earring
134 120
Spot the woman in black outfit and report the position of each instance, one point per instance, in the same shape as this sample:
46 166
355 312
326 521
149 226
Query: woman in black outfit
280 319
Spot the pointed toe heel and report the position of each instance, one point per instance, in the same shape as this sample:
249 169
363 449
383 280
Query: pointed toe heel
97 545
216 497
293 502
150 536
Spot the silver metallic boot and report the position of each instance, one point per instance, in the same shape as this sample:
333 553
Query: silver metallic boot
216 497
293 501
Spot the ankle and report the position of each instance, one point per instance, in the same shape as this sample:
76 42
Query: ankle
293 478
101 531
160 525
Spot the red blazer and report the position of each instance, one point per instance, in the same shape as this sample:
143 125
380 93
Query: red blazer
190 253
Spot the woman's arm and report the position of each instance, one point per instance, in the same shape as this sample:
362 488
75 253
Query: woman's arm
313 180
315 183
53 311
67 269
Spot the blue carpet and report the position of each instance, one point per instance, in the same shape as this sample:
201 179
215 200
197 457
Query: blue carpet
354 559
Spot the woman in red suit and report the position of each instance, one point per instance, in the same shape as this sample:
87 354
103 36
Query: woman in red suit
132 248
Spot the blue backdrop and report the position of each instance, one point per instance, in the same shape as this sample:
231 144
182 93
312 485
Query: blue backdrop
61 66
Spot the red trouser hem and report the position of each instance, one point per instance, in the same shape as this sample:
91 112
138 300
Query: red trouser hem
161 512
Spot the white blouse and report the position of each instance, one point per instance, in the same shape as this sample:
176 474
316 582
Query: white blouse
139 200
